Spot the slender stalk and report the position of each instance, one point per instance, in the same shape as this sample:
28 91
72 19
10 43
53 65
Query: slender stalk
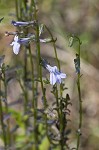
20 8
6 107
34 102
59 109
27 49
2 123
19 15
57 102
32 70
25 97
25 5
39 59
25 62
38 52
61 120
25 65
80 101
16 5
54 46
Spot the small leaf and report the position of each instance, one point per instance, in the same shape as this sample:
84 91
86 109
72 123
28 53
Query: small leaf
1 19
2 60
71 41
46 81
41 29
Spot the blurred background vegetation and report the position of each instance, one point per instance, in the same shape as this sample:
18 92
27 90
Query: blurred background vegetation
64 17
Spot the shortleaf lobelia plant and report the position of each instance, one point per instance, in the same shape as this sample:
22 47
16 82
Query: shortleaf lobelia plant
45 127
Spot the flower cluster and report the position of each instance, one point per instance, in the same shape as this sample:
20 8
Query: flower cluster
56 76
18 41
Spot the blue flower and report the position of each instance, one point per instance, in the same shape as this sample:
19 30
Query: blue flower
22 23
23 40
17 43
55 75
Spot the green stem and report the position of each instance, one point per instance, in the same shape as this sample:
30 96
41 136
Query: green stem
32 70
6 106
59 109
20 8
80 101
59 113
25 95
38 52
39 59
54 46
34 89
34 102
16 5
25 5
2 123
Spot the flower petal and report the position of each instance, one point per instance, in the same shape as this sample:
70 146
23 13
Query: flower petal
58 78
16 48
62 75
12 43
55 69
24 40
49 68
52 78
19 23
